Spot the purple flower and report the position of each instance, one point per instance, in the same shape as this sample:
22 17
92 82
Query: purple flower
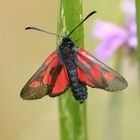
113 36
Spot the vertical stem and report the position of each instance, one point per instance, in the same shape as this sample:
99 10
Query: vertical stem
72 114
115 114
114 126
138 31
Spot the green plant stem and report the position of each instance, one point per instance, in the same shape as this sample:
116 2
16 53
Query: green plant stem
117 102
72 113
138 31
115 114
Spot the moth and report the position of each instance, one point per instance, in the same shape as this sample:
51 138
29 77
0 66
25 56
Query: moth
70 66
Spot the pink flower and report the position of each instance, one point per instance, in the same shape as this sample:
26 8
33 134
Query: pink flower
114 36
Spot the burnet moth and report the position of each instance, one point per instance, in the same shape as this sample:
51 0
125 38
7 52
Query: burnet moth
70 66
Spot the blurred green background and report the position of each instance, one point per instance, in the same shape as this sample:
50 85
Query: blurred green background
22 52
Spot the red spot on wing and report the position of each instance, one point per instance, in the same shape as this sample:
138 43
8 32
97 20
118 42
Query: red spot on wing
50 58
42 73
95 71
61 83
48 77
35 84
109 76
85 53
83 77
81 59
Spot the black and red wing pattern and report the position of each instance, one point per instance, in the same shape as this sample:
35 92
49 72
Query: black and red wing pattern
96 74
47 80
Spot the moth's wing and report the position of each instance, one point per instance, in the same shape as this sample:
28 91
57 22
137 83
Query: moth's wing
61 83
96 74
46 81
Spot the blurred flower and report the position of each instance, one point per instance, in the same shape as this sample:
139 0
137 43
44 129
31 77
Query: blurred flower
113 36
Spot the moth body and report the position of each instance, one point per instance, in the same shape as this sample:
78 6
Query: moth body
67 51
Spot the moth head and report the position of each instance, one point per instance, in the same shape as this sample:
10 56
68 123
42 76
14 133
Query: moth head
66 40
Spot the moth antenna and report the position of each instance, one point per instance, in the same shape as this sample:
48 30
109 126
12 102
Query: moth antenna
79 39
38 29
93 12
